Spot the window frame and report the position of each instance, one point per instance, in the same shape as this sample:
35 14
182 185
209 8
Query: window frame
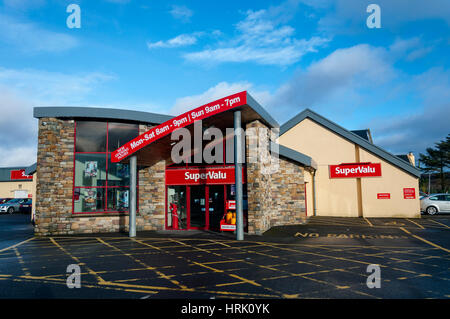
106 187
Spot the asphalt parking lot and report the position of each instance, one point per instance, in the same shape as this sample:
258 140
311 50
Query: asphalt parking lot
325 258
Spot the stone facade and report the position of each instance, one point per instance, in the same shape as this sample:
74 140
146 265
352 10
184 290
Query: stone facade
55 188
275 196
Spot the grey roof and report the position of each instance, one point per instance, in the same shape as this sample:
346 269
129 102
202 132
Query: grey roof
261 111
293 155
100 113
5 173
378 151
365 134
30 170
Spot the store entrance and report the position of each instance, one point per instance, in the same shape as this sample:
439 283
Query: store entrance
188 207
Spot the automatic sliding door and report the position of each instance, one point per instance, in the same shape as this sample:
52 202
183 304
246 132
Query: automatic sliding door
197 207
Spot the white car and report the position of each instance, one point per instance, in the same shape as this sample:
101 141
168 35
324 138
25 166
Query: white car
435 203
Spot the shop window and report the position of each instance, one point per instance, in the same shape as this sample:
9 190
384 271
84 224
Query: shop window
118 199
89 200
91 137
118 174
99 185
90 170
120 133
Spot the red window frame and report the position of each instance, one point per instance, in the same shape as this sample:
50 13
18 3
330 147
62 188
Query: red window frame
106 187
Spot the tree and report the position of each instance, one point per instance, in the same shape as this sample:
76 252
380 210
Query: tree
437 159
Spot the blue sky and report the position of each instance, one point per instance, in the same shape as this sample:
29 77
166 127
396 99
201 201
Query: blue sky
170 56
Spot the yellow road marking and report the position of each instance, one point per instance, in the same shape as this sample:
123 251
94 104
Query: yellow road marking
425 241
438 223
368 222
16 245
92 272
415 223
143 264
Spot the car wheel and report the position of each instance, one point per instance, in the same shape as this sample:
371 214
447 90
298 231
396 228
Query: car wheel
431 210
11 210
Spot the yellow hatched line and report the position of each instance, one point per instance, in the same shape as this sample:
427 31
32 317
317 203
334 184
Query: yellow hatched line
438 223
368 222
417 224
16 245
92 272
162 275
426 241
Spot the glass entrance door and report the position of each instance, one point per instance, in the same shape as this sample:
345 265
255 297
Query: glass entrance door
197 207
216 206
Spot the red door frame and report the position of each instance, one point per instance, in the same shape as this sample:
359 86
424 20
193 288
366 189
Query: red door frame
188 206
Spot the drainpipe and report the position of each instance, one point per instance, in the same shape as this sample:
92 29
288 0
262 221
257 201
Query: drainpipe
314 191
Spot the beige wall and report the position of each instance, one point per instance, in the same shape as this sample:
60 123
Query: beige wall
393 181
7 188
339 197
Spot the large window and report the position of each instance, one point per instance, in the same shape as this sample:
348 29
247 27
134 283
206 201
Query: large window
101 186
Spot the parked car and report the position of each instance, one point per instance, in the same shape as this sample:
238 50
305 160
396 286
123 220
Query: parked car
435 203
4 200
25 206
16 205
422 194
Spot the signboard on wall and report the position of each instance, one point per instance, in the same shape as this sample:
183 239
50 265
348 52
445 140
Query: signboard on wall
384 196
19 174
183 120
355 170
201 176
409 193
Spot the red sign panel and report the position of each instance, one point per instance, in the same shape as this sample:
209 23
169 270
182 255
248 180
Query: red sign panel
185 119
353 170
409 193
231 204
200 176
384 196
19 174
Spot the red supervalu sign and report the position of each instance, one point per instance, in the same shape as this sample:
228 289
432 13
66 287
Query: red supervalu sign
200 176
19 174
185 119
409 193
384 196
354 170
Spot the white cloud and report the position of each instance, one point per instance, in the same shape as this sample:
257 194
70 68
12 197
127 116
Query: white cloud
262 38
280 55
182 13
216 92
51 87
179 41
20 91
340 74
30 38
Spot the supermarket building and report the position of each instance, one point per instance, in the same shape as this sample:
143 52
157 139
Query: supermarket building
83 174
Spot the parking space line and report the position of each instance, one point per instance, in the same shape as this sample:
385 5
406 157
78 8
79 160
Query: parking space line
425 241
428 219
159 273
417 224
92 272
16 245
367 220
